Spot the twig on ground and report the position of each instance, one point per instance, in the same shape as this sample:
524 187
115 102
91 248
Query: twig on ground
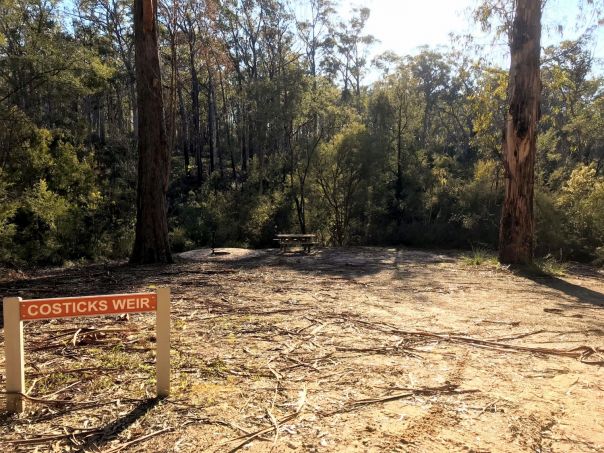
505 323
76 370
249 438
275 423
447 389
521 335
74 340
139 440
50 437
581 352
73 384
484 409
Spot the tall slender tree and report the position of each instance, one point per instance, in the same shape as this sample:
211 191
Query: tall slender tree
519 139
151 244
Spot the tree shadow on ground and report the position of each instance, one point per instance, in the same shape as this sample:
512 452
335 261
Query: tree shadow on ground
114 429
581 294
338 262
115 277
350 263
84 280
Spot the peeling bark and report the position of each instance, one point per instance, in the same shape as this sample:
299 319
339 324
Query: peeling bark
520 133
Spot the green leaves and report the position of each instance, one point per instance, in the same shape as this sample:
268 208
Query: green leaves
582 199
45 205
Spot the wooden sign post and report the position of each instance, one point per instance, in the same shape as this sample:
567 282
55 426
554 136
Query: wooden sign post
17 310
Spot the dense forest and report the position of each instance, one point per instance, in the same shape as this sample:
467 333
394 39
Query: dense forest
278 120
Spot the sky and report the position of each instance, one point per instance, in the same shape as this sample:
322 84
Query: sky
404 25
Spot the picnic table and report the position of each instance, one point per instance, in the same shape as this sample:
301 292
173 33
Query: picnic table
306 241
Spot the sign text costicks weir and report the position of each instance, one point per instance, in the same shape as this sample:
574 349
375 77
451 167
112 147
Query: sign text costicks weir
17 310
87 306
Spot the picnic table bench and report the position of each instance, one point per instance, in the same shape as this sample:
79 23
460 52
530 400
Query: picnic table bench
306 241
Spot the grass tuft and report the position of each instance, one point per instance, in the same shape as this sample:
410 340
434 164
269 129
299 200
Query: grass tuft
548 265
479 257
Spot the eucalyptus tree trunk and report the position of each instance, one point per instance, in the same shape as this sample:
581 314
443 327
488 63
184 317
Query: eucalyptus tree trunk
212 122
195 129
398 188
151 243
184 129
520 133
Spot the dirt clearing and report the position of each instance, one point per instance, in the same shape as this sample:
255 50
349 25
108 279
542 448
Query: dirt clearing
361 349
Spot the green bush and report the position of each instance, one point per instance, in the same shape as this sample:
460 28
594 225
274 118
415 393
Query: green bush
550 237
179 242
7 229
582 201
49 200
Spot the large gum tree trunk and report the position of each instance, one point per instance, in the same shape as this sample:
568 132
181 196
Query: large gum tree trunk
151 243
520 133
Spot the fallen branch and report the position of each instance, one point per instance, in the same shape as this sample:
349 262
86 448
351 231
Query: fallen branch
249 438
521 335
275 424
581 352
139 440
444 390
48 395
75 370
79 404
51 437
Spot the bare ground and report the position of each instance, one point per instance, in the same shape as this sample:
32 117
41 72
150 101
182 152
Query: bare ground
364 349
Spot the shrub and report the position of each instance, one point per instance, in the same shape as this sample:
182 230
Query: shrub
582 199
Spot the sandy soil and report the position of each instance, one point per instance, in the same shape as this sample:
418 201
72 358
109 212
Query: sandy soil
363 349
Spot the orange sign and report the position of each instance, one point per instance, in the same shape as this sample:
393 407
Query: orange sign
87 306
